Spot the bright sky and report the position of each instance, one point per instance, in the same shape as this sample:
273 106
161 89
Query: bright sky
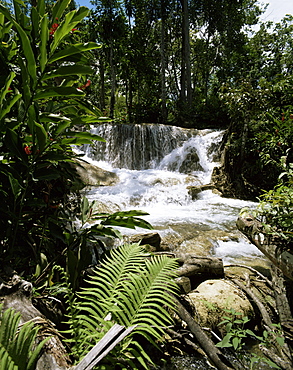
277 9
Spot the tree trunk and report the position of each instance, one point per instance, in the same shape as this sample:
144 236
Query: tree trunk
186 95
102 83
163 67
253 229
113 82
16 293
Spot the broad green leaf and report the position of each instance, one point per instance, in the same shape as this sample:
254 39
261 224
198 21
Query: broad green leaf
14 144
47 174
15 186
59 91
85 135
84 209
235 342
58 9
89 107
35 19
42 136
135 212
41 6
129 222
32 117
5 88
56 118
44 37
75 141
10 103
71 50
225 342
27 91
68 71
61 127
88 120
2 18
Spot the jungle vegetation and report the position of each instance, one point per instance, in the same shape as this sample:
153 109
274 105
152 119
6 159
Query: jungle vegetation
63 68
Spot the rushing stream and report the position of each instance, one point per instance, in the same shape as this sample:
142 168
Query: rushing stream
156 164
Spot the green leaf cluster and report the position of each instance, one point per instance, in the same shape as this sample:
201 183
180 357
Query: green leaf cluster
237 333
275 209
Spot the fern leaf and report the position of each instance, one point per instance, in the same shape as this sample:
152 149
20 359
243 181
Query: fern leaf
131 290
16 346
35 355
111 277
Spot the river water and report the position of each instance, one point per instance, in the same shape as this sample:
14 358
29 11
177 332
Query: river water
156 164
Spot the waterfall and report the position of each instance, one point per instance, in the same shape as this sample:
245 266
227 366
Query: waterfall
149 146
156 164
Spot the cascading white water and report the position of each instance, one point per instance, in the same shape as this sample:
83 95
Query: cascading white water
156 164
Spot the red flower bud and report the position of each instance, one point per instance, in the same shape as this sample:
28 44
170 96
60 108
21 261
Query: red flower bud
53 28
27 150
87 84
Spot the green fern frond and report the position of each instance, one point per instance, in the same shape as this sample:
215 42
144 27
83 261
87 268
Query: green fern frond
129 288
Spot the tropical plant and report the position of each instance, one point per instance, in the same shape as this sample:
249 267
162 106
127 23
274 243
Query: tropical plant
131 288
237 335
43 113
18 349
41 103
275 209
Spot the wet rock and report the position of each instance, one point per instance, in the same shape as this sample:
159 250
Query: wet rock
150 239
190 163
92 175
212 297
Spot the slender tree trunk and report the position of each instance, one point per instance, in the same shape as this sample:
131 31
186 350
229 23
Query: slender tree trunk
102 83
130 102
163 66
186 91
113 82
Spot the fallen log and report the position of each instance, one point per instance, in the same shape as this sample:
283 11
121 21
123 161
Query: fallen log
194 265
212 352
16 293
253 230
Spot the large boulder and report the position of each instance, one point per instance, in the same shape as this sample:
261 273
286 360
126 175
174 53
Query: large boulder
92 175
212 297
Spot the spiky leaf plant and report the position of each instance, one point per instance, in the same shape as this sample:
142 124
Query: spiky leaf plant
17 346
131 287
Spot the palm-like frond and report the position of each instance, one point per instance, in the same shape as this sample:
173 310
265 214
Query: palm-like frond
16 346
130 288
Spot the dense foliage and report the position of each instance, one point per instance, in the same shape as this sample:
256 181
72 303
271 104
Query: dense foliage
165 61
188 63
43 112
